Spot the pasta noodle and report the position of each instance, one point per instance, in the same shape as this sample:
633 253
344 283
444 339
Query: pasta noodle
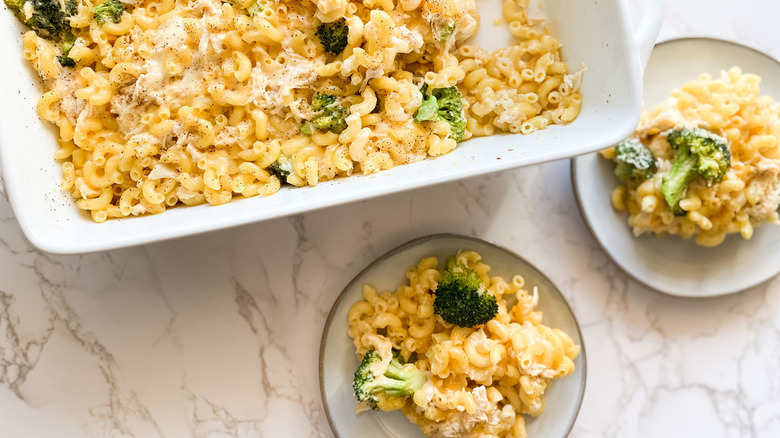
195 101
480 381
748 194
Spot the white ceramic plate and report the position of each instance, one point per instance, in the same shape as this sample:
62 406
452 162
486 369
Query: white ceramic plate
595 34
671 264
337 352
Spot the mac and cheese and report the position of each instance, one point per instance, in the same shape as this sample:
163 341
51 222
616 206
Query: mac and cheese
748 194
194 101
480 381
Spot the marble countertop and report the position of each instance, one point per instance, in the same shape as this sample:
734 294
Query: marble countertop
217 335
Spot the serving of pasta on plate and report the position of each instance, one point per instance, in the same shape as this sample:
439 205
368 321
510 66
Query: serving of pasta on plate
460 352
164 103
705 162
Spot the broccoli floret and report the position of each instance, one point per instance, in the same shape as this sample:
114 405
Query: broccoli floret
400 380
446 30
328 114
16 6
64 59
700 155
282 168
333 36
49 19
461 298
634 160
109 10
427 110
253 8
446 103
306 128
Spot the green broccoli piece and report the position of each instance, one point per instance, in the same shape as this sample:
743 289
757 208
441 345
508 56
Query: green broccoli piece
428 110
307 129
333 36
461 298
446 30
700 155
328 114
451 109
64 59
253 8
634 160
15 6
109 10
400 380
281 168
49 19
446 103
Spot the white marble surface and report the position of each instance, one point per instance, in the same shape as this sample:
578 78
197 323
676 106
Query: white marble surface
217 335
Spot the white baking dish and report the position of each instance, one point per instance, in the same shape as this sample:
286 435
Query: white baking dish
597 34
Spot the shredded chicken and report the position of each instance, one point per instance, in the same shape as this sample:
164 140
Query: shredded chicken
459 424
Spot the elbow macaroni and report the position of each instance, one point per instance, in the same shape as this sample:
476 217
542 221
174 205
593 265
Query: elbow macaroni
749 193
194 99
481 380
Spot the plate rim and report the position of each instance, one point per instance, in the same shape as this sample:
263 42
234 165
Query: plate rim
413 243
575 188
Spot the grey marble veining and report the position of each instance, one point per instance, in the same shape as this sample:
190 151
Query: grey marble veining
217 335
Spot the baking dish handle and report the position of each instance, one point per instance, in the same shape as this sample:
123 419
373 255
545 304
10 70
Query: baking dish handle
648 27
